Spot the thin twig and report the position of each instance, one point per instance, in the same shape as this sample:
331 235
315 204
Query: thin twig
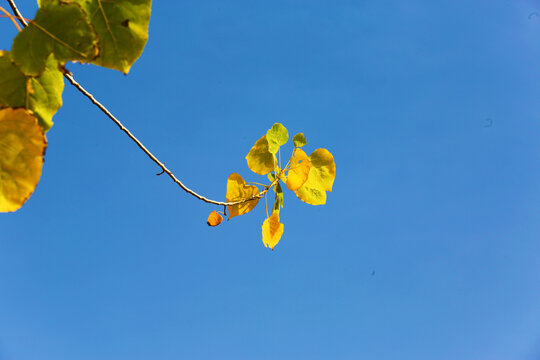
83 91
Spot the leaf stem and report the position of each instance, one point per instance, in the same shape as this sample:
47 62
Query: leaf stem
266 206
11 17
256 183
103 109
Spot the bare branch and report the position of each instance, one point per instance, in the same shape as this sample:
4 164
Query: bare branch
17 13
164 169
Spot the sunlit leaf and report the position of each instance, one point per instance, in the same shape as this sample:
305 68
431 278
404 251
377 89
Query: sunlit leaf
122 27
238 190
41 95
277 135
299 140
259 159
299 170
214 219
272 230
320 179
22 146
61 28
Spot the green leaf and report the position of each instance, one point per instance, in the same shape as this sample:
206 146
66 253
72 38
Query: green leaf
277 135
122 27
320 179
259 159
45 96
12 83
279 197
22 146
41 95
61 28
299 140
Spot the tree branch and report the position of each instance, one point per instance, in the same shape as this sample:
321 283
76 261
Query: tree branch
17 13
83 91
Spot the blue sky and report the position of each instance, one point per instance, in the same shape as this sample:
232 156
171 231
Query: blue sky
109 261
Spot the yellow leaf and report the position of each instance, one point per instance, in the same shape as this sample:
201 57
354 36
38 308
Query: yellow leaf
299 171
311 195
320 179
214 219
22 146
272 230
259 159
238 190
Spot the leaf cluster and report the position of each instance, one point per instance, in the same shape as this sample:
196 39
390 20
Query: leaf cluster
310 177
108 33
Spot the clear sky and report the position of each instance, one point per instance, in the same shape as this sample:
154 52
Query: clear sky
428 248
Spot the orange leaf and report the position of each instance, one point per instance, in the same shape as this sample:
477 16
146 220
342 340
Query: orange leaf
214 219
